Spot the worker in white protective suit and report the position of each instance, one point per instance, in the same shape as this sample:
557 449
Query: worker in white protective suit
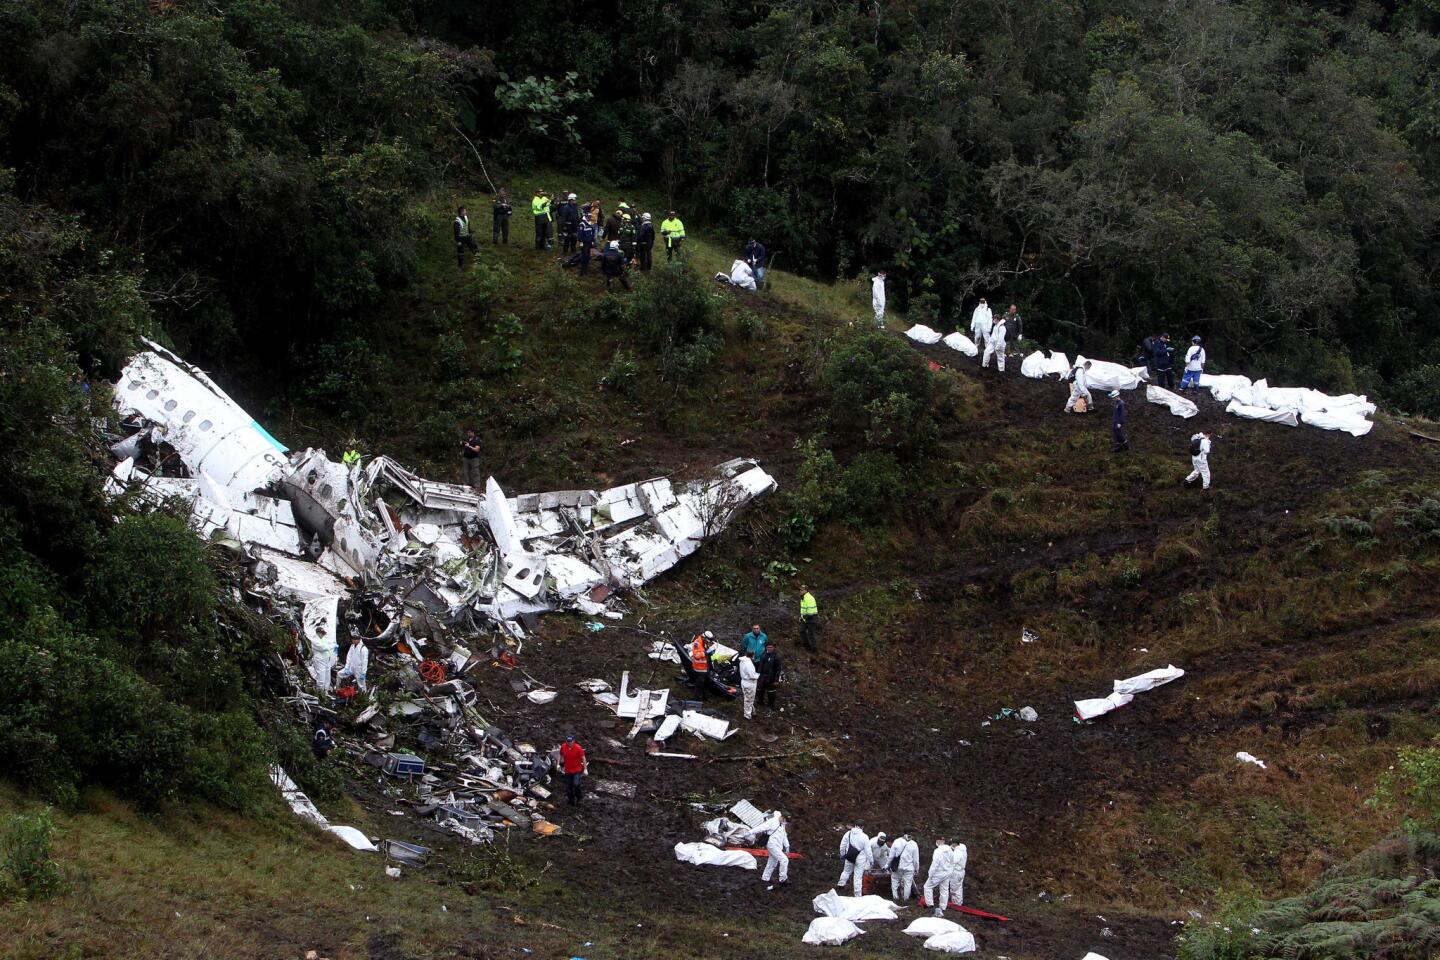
937 881
1079 387
879 852
1194 365
980 323
855 853
957 876
742 275
357 661
904 861
1200 460
749 683
777 852
995 345
877 298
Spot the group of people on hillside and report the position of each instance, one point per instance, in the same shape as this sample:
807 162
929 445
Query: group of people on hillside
760 667
1158 355
878 858
624 240
991 333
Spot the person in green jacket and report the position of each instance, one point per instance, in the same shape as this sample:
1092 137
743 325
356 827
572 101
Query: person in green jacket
674 233
809 615
540 210
755 642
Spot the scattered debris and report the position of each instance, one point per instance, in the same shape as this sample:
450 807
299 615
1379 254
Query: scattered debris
613 787
1244 757
1028 714
306 810
1125 691
438 578
1028 636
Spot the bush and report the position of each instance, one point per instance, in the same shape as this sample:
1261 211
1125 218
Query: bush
623 374
676 314
879 393
1417 391
502 348
450 354
26 855
340 374
874 482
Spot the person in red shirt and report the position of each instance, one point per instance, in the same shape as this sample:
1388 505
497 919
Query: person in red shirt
574 766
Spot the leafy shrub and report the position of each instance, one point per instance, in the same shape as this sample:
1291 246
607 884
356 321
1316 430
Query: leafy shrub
925 308
450 354
767 215
676 314
492 869
340 373
27 857
623 374
1418 391
879 392
502 348
874 482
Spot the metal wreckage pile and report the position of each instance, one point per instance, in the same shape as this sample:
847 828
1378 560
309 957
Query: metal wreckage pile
425 573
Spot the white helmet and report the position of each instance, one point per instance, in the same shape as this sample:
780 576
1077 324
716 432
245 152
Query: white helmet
570 196
709 635
614 244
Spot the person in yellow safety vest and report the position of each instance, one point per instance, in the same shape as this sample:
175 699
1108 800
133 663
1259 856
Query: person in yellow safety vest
809 614
540 210
674 233
700 648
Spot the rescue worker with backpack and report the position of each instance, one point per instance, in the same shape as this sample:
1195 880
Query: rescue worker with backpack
1199 460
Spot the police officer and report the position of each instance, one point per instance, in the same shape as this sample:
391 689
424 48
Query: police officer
645 242
569 224
500 210
540 210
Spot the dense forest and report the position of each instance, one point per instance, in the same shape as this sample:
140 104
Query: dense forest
1261 173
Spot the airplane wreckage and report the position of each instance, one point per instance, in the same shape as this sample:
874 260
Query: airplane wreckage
415 569
401 559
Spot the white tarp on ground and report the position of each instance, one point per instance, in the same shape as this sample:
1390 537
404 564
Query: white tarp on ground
960 941
1244 757
1149 681
931 927
1178 405
1352 423
1037 365
704 855
958 341
831 931
1224 387
1238 409
1090 709
869 907
1092 956
923 334
1104 375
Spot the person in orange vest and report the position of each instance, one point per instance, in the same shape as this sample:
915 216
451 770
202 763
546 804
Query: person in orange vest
699 653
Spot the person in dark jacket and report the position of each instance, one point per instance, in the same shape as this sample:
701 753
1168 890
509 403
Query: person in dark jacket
1164 362
569 224
612 265
585 236
612 227
754 254
1117 422
323 741
645 241
500 210
770 668
463 240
